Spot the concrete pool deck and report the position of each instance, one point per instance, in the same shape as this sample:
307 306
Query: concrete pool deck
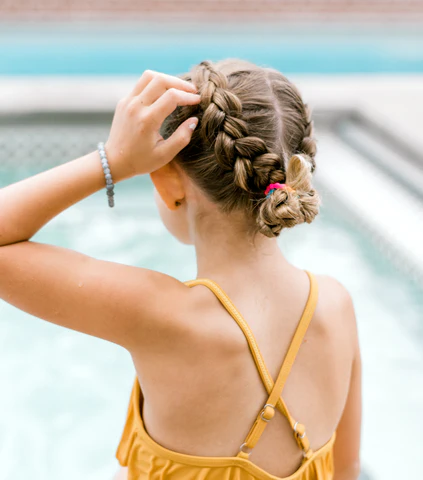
395 101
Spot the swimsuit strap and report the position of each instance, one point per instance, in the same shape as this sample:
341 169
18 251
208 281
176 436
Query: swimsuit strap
268 411
274 389
252 343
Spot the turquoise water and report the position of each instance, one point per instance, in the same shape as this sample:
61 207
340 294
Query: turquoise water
64 394
97 49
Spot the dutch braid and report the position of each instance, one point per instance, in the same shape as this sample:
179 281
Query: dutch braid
224 129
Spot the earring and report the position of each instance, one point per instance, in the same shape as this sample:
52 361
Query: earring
177 203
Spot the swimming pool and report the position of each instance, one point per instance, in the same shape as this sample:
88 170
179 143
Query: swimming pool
119 49
65 394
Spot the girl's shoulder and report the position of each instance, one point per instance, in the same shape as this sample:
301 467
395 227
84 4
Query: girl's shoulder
335 297
335 312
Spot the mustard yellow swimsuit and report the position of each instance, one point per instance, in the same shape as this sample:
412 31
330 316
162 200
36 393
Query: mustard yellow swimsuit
148 460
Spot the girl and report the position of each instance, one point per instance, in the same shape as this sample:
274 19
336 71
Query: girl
214 354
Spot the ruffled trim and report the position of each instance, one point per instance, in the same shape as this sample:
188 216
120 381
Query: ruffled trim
141 454
129 434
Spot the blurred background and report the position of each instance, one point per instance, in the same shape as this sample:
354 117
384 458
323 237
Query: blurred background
63 67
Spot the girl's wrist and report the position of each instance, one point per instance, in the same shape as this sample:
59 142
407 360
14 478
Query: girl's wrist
120 169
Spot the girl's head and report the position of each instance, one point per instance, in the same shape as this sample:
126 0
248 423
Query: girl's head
252 124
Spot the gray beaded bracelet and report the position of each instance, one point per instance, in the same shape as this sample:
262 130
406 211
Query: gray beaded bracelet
108 175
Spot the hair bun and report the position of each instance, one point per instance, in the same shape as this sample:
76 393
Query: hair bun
285 208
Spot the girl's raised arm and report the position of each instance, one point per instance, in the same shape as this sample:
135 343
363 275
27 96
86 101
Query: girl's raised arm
103 299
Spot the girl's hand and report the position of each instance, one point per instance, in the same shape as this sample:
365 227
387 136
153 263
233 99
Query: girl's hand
135 146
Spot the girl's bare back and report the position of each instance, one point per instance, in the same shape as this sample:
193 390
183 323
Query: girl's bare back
203 392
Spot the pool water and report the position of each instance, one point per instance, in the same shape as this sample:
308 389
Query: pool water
64 394
128 49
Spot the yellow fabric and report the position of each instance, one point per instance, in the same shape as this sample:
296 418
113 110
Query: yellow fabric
147 460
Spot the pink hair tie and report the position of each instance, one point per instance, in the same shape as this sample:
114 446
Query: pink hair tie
274 186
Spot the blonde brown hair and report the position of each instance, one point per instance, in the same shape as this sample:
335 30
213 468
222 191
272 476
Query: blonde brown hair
254 129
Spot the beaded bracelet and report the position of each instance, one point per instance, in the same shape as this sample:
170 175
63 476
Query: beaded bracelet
109 181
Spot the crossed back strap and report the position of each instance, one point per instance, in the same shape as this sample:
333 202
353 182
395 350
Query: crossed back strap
274 389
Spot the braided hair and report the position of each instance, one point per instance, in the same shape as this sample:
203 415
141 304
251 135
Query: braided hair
254 129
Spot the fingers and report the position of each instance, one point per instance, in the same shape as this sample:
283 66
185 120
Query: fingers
169 148
159 85
142 82
162 82
155 89
167 103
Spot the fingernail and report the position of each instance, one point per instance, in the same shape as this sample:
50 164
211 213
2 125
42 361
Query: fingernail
193 124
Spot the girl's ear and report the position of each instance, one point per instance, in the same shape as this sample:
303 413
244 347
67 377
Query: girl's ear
169 184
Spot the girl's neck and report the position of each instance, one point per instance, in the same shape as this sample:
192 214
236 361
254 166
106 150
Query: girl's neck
227 254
